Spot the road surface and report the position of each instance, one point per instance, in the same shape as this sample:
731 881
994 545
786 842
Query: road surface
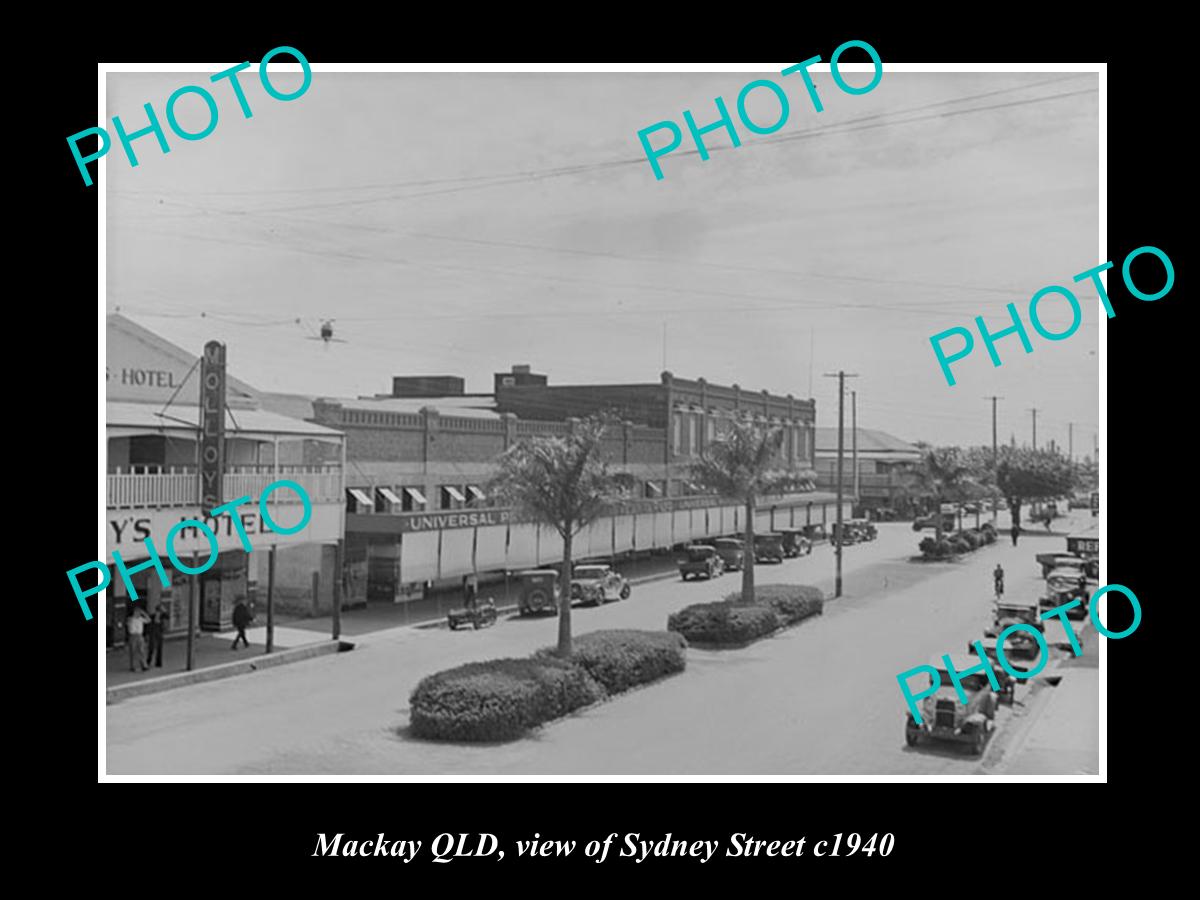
820 698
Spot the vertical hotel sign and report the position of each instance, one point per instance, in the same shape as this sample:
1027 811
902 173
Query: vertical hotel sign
212 426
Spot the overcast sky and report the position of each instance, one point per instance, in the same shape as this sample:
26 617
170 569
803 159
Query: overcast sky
430 216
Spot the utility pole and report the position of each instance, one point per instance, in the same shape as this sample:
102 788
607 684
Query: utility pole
840 526
1035 412
1071 441
995 456
854 439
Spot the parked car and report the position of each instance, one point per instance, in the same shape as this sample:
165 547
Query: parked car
864 528
1014 612
1051 561
596 584
768 548
945 718
1063 585
537 591
815 533
923 522
884 514
700 559
732 553
1008 683
795 543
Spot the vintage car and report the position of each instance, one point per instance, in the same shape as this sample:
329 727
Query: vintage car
700 559
815 533
1051 561
795 543
922 522
1064 585
885 514
1008 683
732 553
945 718
768 548
482 616
865 528
1019 644
1010 612
537 591
596 584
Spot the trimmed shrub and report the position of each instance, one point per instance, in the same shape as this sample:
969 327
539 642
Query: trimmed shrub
792 602
499 699
621 659
961 545
723 623
989 528
974 538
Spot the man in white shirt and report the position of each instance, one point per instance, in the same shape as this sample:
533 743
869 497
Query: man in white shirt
135 626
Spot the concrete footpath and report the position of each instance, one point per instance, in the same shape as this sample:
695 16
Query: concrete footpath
1065 737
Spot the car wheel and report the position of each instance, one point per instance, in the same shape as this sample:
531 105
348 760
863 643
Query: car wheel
912 737
980 741
625 591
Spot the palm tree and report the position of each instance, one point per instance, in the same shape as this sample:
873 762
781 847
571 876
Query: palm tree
739 464
562 482
942 474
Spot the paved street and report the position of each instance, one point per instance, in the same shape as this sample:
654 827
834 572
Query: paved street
776 708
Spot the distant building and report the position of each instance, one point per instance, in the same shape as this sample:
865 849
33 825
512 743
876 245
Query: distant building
418 466
885 468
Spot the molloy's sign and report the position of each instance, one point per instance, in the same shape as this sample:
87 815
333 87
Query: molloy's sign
212 425
127 530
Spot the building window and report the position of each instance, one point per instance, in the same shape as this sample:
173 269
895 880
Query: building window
452 497
476 496
654 490
693 422
677 433
412 500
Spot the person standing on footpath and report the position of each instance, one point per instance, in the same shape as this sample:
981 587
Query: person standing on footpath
155 629
134 626
998 577
1016 533
242 617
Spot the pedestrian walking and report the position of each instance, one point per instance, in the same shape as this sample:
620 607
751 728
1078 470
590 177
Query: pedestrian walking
135 625
1016 533
156 628
1049 517
242 617
998 577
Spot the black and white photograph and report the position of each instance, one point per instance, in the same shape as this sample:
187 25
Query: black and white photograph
592 421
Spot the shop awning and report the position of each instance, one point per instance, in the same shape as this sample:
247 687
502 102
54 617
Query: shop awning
361 496
455 493
415 495
476 493
389 495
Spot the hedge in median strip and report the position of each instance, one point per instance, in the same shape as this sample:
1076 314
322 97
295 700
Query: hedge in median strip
622 659
499 699
732 622
792 602
723 623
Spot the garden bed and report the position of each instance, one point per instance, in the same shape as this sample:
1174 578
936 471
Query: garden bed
731 624
501 699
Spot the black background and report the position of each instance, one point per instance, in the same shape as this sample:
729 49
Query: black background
249 834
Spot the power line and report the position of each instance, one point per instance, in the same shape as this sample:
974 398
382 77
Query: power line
851 125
